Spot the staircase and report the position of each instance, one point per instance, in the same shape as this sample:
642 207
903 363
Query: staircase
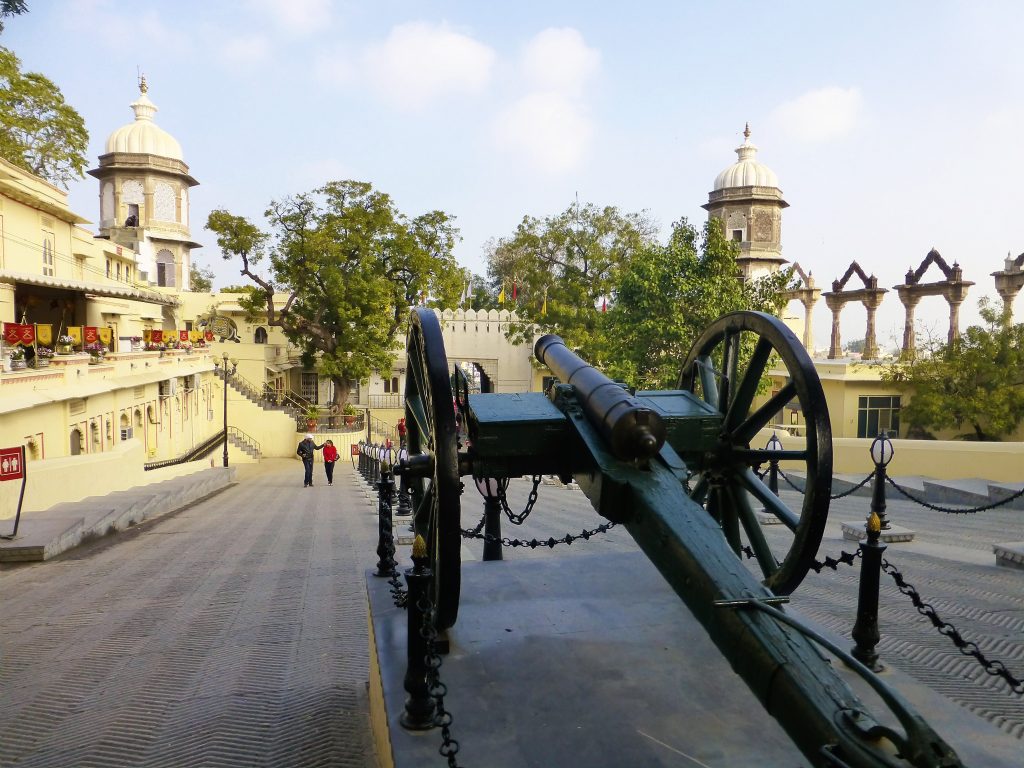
244 442
253 394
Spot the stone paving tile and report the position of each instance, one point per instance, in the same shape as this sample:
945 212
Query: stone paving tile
231 633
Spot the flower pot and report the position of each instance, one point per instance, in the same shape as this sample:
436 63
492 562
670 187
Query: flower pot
42 362
95 359
18 365
65 349
349 420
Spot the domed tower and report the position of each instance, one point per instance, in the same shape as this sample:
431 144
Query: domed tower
144 185
748 202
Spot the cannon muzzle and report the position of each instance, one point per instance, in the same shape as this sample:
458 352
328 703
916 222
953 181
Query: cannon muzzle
632 430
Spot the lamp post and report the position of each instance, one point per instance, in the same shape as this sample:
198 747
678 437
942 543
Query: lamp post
226 371
491 488
881 453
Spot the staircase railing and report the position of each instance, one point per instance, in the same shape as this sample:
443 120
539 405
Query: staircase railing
245 439
201 451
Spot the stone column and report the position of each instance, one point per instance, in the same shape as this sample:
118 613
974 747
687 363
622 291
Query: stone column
7 308
835 345
954 321
808 303
909 304
870 342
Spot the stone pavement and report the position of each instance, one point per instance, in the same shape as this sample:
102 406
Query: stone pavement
234 632
231 633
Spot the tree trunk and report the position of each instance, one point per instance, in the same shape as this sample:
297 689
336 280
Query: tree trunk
978 433
342 389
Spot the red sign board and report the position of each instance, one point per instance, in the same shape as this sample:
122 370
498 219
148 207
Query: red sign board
11 464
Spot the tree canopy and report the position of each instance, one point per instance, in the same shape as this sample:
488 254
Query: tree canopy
351 265
977 381
668 294
562 269
11 8
200 279
41 132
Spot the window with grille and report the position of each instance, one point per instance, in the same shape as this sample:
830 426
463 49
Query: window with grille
877 414
48 240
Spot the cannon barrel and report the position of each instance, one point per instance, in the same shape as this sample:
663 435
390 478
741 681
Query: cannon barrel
632 430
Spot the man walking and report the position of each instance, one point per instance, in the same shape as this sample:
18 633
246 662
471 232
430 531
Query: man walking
305 452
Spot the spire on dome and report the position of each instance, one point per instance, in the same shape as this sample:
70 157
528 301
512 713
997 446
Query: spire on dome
746 131
142 83
144 108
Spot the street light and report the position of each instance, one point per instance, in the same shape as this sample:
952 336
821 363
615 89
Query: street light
881 453
226 371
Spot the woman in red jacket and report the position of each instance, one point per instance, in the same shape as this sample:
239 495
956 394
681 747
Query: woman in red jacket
330 456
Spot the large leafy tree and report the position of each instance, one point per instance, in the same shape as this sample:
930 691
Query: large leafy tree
350 265
668 294
40 131
977 381
11 8
200 278
563 270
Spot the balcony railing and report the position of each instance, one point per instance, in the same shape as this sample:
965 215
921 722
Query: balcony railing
393 400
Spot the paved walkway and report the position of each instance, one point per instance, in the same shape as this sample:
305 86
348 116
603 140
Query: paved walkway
234 632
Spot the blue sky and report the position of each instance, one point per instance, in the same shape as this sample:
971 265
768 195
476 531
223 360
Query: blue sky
893 127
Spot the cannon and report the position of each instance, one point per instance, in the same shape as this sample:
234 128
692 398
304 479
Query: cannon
677 470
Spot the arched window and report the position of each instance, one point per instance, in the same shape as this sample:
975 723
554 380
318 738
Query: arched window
76 441
165 268
261 335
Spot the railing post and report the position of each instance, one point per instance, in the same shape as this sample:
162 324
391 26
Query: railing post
865 630
385 537
491 489
419 705
404 497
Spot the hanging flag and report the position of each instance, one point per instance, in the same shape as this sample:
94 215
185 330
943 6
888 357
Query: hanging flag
209 335
91 334
44 333
75 332
157 336
501 294
182 335
105 336
147 335
12 334
604 304
195 336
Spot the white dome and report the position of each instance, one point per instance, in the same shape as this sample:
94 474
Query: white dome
746 172
144 136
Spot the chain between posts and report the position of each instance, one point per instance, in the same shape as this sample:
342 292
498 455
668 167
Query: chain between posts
966 647
442 718
550 543
953 510
520 518
857 487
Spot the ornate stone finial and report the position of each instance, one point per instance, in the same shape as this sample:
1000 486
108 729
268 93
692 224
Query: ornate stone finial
419 546
874 524
143 88
746 131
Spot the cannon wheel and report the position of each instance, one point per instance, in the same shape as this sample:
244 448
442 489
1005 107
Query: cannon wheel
725 368
430 421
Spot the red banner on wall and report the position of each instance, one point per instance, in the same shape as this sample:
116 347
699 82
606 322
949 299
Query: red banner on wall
19 333
209 335
91 334
182 335
156 336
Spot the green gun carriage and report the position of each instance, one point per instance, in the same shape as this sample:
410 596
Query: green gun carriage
677 470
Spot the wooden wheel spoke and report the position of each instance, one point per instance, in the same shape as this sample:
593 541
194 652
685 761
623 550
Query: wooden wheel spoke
730 361
762 417
699 493
771 502
746 389
762 552
414 406
729 516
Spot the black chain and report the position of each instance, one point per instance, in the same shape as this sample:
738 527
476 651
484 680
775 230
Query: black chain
479 526
857 487
966 647
520 518
845 558
550 543
399 594
953 510
438 690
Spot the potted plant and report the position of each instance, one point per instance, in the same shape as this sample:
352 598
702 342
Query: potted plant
136 343
312 416
18 359
43 356
65 345
349 412
96 352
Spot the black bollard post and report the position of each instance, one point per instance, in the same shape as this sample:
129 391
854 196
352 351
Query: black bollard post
385 538
419 705
404 497
362 460
865 629
881 453
492 529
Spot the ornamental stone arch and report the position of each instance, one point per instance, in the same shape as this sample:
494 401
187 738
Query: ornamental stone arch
953 289
807 294
1009 281
165 268
870 296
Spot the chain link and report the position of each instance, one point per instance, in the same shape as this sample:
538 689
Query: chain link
857 487
966 647
442 718
953 510
520 518
845 558
550 543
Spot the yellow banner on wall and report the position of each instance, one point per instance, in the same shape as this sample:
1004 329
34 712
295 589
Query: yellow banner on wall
75 332
195 336
104 334
146 334
44 334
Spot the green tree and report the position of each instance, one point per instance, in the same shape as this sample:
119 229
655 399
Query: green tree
977 381
200 279
563 269
668 294
41 132
11 8
350 265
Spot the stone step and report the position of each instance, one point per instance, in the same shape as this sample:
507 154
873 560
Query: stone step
44 534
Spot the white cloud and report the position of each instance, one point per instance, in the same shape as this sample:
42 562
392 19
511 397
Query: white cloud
820 115
550 129
245 51
107 24
558 59
299 17
335 68
419 62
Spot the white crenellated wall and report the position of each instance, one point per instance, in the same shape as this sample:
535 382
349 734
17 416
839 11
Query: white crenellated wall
479 336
